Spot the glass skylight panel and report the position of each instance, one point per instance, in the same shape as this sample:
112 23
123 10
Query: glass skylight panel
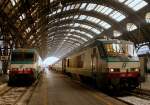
83 5
76 16
121 17
67 17
93 19
140 5
116 33
54 13
104 25
76 24
96 20
131 27
108 11
64 9
147 17
71 24
78 44
77 6
71 17
73 39
121 1
84 39
128 2
31 37
136 4
96 31
72 30
77 36
68 7
113 14
89 18
99 8
13 2
117 14
90 7
82 17
28 29
85 26
86 34
72 6
51 1
23 15
133 3
59 10
104 10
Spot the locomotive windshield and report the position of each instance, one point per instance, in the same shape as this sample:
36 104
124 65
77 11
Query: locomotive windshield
125 49
22 57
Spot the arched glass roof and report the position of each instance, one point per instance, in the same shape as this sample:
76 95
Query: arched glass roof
62 25
143 50
114 14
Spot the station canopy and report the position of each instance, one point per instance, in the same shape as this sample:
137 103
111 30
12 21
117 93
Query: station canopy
58 27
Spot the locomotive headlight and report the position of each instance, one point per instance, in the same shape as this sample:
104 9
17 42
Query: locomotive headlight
137 69
111 70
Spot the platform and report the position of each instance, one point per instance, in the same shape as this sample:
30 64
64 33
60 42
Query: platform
3 79
146 85
58 89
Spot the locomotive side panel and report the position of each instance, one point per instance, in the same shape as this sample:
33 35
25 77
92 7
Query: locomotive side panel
79 63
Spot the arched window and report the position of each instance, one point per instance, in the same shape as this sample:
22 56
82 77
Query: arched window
147 17
143 50
131 27
116 33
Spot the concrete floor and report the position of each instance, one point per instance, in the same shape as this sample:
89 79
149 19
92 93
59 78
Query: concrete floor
57 89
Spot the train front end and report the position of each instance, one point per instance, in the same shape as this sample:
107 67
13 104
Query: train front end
123 64
22 66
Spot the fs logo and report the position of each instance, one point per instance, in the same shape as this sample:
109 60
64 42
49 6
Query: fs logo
21 66
124 65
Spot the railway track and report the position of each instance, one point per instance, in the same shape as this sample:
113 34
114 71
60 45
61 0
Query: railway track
12 95
136 97
16 95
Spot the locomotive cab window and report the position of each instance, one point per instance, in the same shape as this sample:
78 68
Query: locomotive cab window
115 49
22 56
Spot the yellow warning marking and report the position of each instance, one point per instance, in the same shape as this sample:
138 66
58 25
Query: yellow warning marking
100 98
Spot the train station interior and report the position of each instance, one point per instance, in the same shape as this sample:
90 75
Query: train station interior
75 52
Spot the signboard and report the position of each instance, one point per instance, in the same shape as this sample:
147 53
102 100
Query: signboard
3 58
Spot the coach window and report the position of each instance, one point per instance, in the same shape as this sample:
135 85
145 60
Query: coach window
68 63
101 50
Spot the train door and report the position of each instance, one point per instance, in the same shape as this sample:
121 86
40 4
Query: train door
94 61
64 65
